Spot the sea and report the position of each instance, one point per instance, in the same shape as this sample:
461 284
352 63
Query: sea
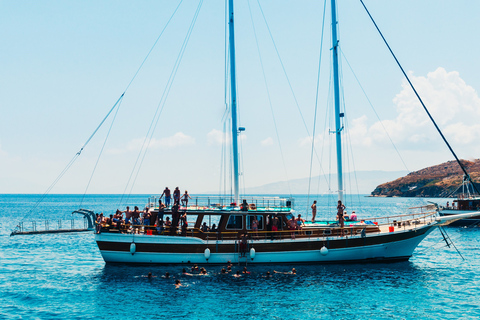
63 276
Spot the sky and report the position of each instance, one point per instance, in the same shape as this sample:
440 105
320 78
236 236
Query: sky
63 65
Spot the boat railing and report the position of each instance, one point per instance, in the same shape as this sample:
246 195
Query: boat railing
351 229
414 217
218 202
50 226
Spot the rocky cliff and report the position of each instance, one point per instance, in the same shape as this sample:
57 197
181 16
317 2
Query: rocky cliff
436 181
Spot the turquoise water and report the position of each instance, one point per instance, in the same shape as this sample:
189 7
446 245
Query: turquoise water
63 276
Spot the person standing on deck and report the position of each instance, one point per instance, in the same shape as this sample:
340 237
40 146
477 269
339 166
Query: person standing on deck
153 216
175 220
136 216
340 218
128 215
314 210
161 209
168 196
146 217
176 196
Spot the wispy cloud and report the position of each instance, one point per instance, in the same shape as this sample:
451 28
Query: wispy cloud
179 139
267 142
217 137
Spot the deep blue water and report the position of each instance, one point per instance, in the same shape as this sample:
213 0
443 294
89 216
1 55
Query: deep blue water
64 277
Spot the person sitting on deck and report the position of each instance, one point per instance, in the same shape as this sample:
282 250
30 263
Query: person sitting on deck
292 226
300 222
345 216
353 216
255 225
214 228
160 224
244 205
109 221
205 228
168 223
185 199
275 223
117 216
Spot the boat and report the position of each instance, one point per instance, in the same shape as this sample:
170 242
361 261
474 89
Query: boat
467 201
259 230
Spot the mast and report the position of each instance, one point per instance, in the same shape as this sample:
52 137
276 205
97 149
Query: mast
338 115
233 102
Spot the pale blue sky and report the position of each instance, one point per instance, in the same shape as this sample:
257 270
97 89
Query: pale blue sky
64 64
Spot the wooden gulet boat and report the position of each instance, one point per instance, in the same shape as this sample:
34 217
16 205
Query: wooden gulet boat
391 238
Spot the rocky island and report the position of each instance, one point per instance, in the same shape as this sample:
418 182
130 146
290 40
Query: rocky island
437 181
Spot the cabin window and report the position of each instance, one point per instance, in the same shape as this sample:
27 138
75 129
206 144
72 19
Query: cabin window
250 221
235 222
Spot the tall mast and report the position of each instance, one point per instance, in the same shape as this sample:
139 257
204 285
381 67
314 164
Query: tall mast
338 115
233 102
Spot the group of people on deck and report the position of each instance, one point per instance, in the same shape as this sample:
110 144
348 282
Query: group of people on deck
148 218
177 198
342 215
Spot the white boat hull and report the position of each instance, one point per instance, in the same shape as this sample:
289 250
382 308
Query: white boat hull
385 250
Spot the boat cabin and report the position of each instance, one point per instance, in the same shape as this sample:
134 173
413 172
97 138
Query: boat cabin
264 218
467 204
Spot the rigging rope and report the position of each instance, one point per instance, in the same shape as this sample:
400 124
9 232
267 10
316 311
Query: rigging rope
269 98
283 68
160 107
100 154
72 161
316 105
67 167
420 99
374 110
288 79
